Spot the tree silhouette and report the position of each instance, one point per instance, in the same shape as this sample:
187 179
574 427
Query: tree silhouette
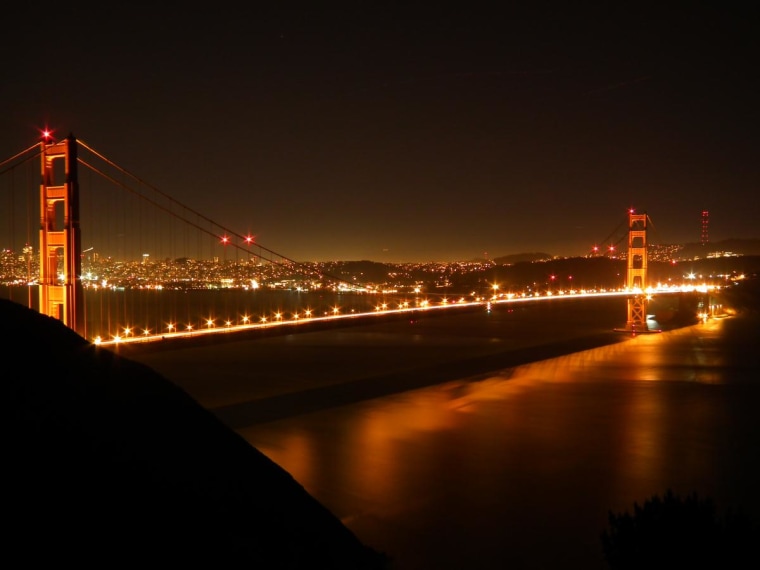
675 532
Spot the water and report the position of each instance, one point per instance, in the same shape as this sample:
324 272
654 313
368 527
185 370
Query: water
519 469
469 442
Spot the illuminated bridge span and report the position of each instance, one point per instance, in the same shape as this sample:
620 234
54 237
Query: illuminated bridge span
81 259
308 317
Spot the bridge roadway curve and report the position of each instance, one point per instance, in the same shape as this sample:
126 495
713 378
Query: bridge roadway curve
247 380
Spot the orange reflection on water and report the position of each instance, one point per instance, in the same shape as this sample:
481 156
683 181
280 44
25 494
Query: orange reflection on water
691 355
294 452
386 428
626 409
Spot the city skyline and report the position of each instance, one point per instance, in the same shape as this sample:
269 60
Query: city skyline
408 135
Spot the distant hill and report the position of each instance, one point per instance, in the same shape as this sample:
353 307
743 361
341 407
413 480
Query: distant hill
521 258
364 270
689 251
737 246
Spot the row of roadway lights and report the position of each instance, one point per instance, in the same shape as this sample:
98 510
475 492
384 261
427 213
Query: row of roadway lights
210 323
278 317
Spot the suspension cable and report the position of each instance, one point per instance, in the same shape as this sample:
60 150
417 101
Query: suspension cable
23 152
304 268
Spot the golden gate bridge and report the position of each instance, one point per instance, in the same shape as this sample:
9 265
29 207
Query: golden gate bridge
140 239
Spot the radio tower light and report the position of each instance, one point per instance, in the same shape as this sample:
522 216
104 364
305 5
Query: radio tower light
705 219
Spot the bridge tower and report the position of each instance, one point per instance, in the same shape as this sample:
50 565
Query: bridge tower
60 286
637 272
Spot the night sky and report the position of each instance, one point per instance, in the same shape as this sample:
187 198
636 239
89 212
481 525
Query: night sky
407 131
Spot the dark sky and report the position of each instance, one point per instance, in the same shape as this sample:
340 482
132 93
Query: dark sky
407 131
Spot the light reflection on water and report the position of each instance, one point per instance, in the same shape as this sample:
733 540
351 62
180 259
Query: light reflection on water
520 468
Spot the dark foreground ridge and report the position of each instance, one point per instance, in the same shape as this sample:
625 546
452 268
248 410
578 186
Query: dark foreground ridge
108 463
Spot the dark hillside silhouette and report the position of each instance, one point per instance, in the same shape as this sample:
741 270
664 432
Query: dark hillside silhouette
107 463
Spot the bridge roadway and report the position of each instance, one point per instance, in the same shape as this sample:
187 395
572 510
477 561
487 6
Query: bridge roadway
254 378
